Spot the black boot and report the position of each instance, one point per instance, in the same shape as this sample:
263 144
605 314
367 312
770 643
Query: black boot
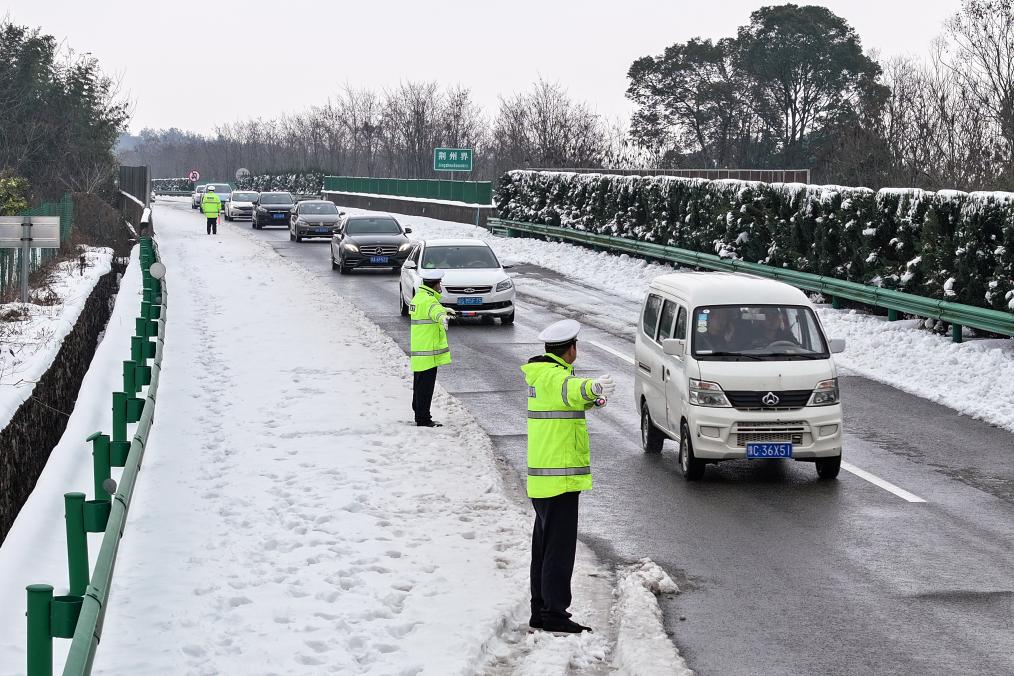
558 626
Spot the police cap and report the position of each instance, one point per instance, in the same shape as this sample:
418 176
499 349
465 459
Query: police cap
563 332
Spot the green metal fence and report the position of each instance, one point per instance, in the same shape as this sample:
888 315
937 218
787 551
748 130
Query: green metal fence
79 615
468 192
894 302
10 259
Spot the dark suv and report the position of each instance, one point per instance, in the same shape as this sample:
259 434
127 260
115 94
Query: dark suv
272 208
373 241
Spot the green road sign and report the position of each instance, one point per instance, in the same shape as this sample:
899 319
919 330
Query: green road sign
452 159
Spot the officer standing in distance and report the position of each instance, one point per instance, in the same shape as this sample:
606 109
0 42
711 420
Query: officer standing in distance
211 206
559 468
428 344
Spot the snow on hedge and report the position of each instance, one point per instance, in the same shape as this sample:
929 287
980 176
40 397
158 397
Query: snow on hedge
948 244
301 182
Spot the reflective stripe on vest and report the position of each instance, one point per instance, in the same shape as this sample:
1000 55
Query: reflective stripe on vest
558 471
563 393
433 353
585 387
556 415
423 321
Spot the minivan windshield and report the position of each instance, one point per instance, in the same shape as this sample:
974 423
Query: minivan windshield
458 258
276 198
221 187
756 332
372 226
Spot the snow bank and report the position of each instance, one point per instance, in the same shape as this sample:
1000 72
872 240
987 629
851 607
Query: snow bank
31 344
975 377
35 550
642 646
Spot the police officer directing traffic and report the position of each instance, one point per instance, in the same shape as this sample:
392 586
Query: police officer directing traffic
211 205
428 344
559 468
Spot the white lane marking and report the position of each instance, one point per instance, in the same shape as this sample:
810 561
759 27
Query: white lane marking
615 353
877 481
847 466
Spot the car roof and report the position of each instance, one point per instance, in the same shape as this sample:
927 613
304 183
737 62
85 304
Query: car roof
316 202
455 242
728 288
277 192
355 217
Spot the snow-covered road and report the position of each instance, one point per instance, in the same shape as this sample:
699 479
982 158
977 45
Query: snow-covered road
291 519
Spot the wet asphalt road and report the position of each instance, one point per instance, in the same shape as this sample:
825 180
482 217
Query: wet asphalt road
780 573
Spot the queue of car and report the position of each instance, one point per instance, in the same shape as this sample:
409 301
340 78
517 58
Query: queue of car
729 366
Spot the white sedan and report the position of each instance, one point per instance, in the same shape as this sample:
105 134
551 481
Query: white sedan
241 205
475 284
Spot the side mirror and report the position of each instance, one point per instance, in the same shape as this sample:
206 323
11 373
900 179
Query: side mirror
674 347
836 345
408 231
508 266
341 213
409 265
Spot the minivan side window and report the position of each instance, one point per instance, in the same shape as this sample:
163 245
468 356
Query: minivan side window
649 323
666 323
681 325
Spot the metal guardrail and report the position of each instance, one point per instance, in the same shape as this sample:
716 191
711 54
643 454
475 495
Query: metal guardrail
894 302
80 614
469 192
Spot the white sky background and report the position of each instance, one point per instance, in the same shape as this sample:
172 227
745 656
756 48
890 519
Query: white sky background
310 49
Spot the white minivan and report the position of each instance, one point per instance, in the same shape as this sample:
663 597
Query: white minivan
736 366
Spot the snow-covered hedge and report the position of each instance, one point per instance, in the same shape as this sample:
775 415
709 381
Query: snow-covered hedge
952 245
301 182
172 184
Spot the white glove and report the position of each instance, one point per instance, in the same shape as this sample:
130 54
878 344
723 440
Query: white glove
604 386
445 320
452 313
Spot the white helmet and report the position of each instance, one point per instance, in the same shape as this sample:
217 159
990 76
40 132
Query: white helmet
210 188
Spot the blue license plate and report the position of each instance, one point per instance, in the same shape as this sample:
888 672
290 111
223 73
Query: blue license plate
380 259
470 300
768 450
278 217
321 231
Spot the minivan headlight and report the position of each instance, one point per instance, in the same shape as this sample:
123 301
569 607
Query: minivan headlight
825 393
703 393
504 285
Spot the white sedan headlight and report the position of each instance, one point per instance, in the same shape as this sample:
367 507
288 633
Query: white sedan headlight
504 285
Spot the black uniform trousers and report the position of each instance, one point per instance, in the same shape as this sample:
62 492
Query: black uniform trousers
212 225
554 544
423 383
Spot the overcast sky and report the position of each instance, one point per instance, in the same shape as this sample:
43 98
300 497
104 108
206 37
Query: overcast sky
194 64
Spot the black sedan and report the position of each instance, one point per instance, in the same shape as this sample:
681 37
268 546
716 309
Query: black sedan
371 241
313 218
272 208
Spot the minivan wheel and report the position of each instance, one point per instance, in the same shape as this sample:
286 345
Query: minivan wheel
828 468
691 468
651 437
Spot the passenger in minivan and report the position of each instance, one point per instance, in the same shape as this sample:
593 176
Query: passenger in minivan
721 330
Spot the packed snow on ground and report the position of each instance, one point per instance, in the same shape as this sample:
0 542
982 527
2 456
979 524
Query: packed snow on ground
35 549
290 518
29 345
975 377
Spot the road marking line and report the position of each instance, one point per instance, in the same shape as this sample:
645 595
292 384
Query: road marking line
611 351
877 481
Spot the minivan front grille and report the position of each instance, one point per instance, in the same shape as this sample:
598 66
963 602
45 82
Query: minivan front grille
761 401
467 290
750 432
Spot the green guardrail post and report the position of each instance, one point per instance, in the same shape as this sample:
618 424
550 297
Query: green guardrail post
40 633
100 463
135 405
129 371
77 542
137 349
836 303
892 315
119 447
956 333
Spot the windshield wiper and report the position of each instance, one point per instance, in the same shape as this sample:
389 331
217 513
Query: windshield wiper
729 354
791 355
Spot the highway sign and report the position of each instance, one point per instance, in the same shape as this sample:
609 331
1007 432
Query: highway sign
452 159
194 176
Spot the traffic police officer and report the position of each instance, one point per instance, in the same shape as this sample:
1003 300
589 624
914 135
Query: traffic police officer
211 205
429 348
559 468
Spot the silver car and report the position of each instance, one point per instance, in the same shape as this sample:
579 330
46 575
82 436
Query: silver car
313 218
